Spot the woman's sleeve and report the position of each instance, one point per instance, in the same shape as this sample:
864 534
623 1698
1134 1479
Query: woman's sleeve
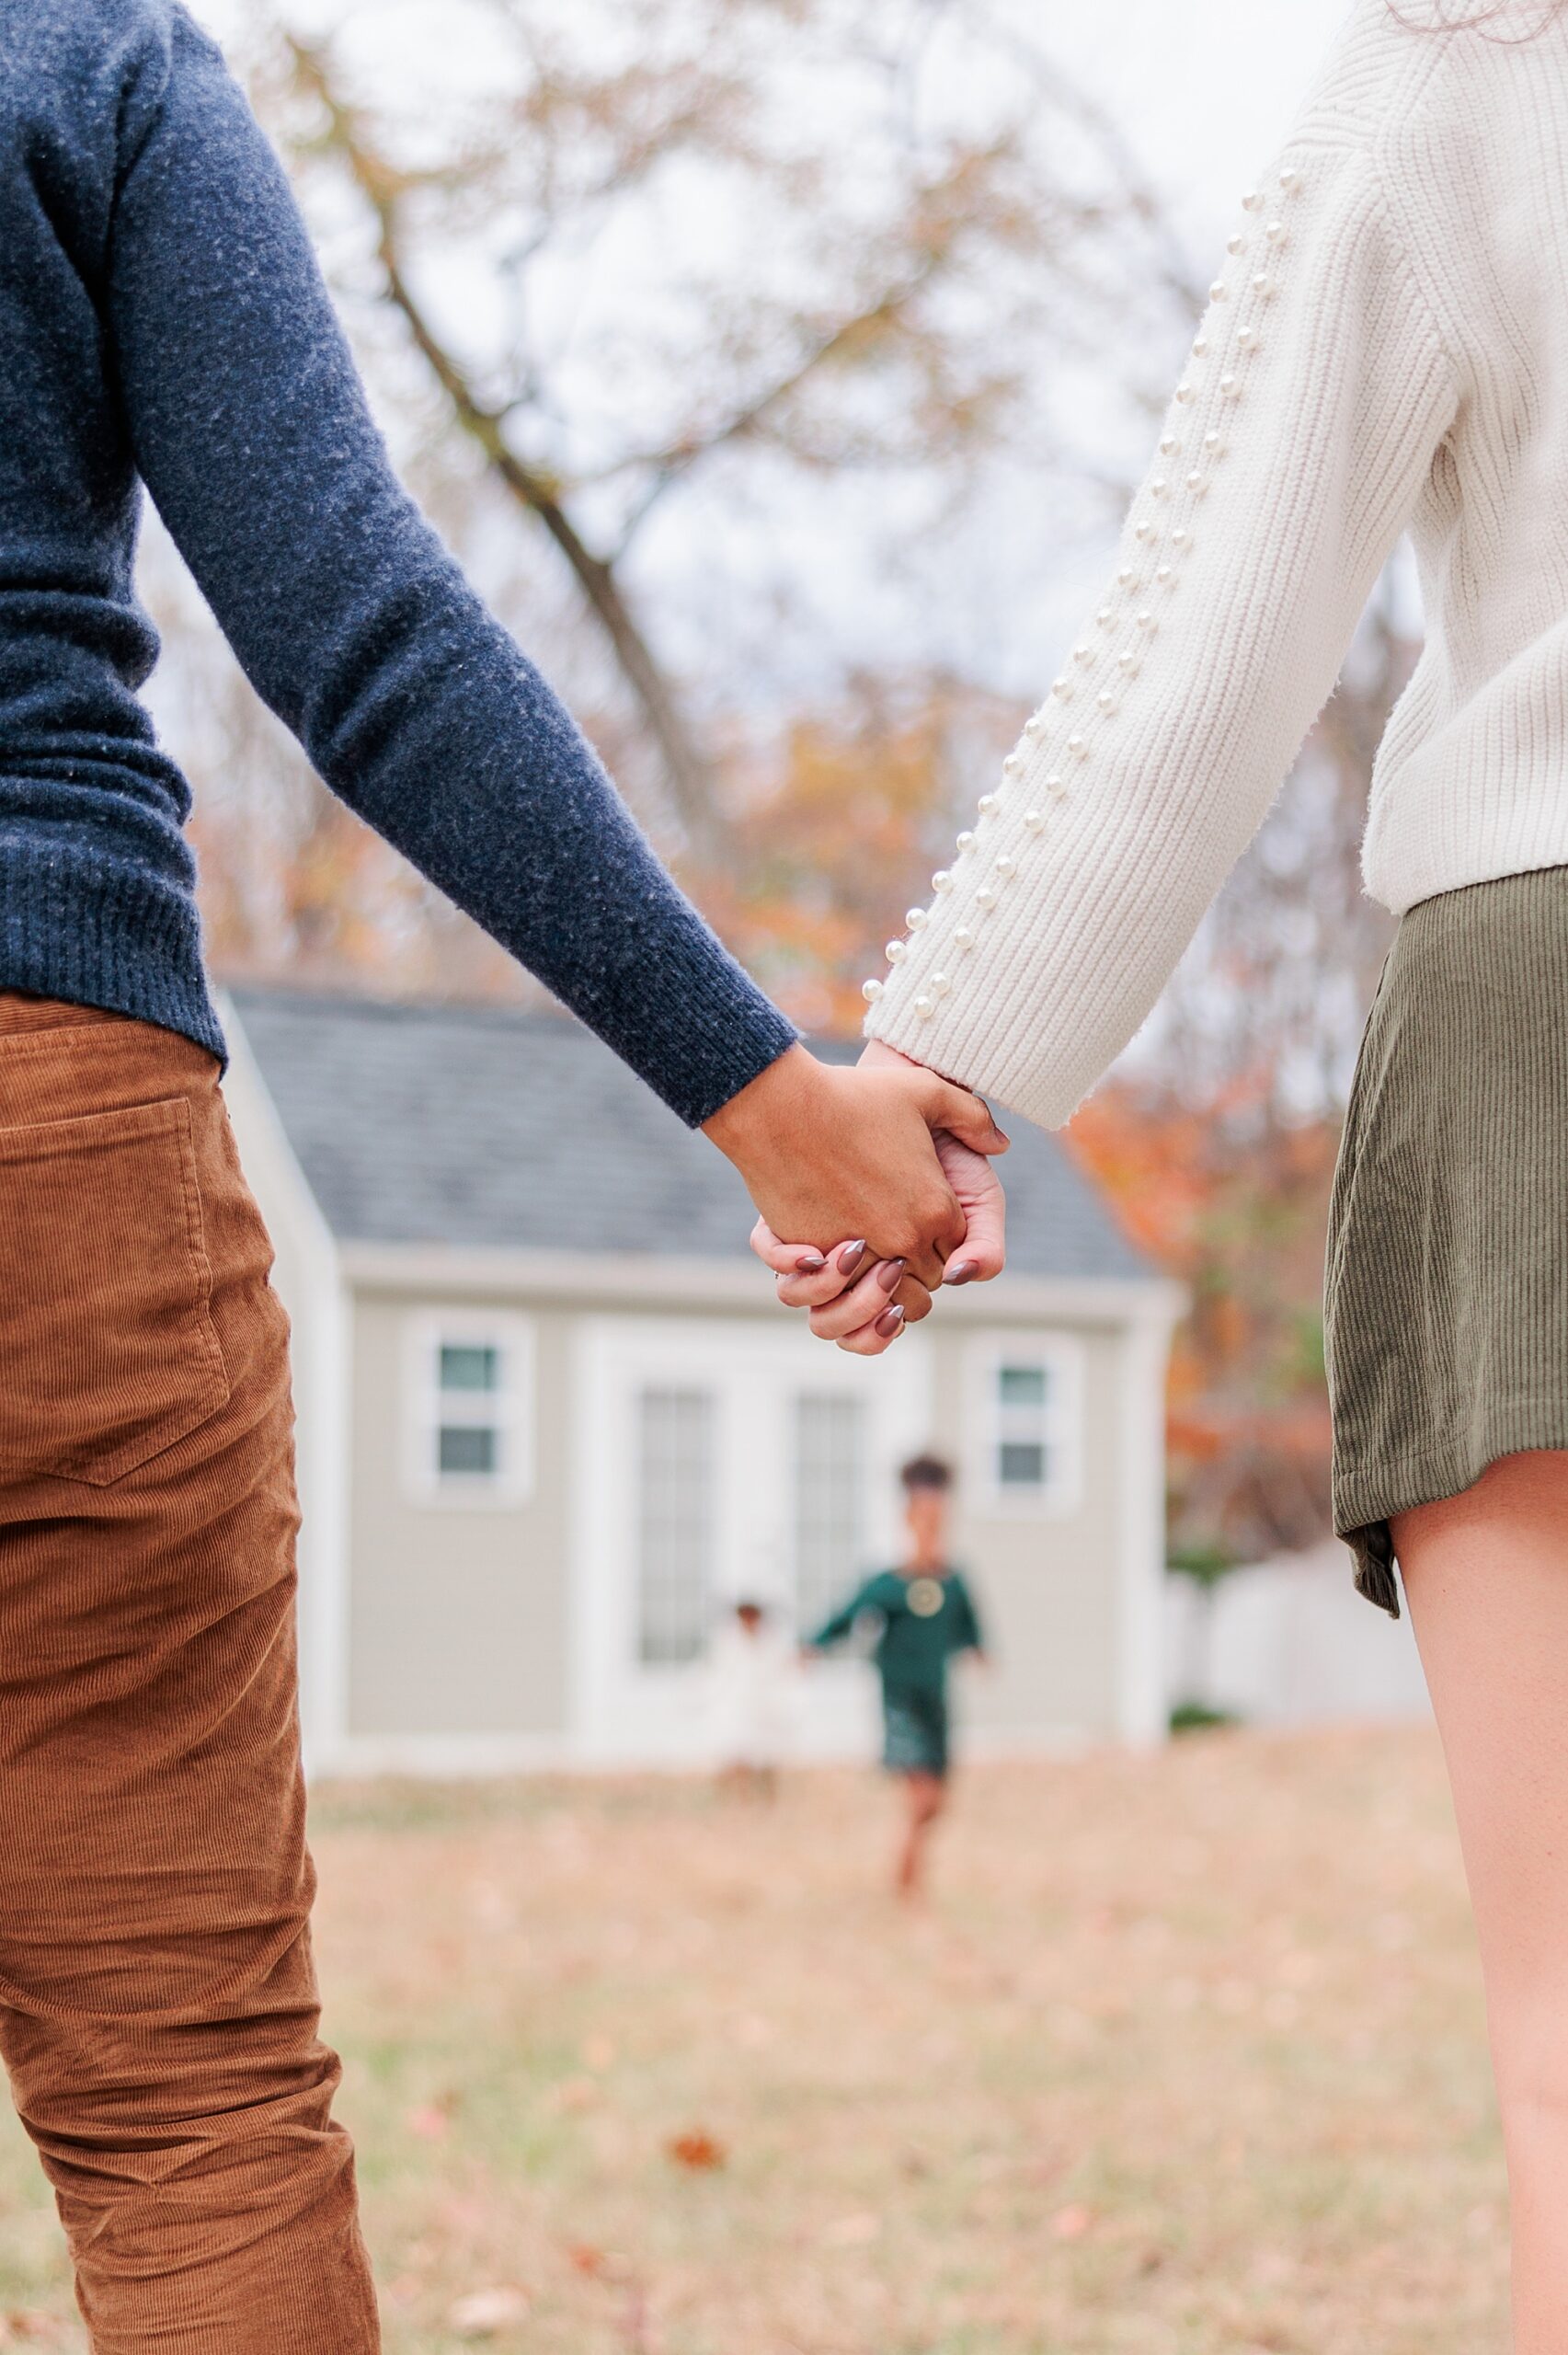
251 429
1295 449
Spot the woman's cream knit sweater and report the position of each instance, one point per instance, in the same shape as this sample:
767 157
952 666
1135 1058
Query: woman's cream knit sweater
1386 346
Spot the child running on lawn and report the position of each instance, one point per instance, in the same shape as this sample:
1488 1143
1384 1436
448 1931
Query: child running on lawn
927 1613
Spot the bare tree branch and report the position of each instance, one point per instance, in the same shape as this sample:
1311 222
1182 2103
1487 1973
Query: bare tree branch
688 775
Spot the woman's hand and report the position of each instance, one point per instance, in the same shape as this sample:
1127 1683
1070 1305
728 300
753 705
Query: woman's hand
850 1297
860 1302
828 1151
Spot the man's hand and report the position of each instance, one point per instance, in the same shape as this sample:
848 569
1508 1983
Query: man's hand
827 1152
850 1296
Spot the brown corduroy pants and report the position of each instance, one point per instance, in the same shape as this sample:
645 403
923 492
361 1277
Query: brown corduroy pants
157 2001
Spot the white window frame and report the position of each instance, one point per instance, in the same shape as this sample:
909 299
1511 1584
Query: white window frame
1059 1422
426 1408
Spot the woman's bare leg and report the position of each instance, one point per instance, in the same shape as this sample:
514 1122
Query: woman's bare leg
1486 1574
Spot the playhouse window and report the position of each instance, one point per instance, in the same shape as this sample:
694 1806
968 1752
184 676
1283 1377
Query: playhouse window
472 1408
1028 1425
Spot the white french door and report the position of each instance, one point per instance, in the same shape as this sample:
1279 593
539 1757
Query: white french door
718 1459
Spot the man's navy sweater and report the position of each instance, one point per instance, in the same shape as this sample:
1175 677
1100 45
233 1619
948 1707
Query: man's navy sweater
163 321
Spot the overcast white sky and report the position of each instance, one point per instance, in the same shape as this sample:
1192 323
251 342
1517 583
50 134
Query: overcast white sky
1206 89
1203 91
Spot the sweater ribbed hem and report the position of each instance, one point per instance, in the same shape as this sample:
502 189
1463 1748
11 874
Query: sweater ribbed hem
76 927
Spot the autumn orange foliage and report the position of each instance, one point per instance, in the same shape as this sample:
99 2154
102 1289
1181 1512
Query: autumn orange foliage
1232 1200
835 831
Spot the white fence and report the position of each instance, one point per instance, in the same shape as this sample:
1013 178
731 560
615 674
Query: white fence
1292 1643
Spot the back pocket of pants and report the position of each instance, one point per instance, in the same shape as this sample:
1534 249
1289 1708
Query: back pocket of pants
108 1350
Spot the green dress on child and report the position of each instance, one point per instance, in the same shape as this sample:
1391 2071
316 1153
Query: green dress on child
924 1620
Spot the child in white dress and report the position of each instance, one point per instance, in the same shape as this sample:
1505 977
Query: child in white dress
753 1680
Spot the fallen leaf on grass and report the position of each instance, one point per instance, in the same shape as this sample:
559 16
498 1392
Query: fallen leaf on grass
483 2312
599 2264
697 2150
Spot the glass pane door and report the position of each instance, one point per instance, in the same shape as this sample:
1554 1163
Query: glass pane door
675 1581
830 1499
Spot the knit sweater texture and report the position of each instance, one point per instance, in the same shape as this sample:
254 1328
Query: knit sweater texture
163 321
1386 347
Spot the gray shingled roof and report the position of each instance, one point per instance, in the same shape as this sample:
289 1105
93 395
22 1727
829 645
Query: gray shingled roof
478 1125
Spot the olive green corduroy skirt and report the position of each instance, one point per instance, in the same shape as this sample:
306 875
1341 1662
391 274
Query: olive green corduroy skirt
1446 1291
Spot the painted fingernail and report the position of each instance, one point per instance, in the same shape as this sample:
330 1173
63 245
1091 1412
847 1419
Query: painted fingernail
890 1274
810 1263
890 1321
850 1257
962 1271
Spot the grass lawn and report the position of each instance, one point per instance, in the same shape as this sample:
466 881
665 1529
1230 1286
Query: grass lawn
1185 2058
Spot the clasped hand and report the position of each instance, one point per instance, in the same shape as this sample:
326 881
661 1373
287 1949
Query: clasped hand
881 1177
